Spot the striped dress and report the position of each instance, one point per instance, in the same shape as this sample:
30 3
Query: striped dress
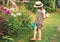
39 18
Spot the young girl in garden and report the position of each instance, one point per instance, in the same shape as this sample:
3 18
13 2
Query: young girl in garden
39 20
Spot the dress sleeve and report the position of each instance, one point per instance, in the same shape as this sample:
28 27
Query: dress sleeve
43 14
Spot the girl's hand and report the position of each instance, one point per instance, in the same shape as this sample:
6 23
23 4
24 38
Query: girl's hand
47 15
44 16
14 5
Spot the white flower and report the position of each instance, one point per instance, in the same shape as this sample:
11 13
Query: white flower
13 15
18 14
12 9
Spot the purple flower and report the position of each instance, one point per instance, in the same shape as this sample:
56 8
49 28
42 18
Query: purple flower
0 11
5 9
7 12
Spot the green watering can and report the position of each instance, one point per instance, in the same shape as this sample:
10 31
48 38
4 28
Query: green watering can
32 25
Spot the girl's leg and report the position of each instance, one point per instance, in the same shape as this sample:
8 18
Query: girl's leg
39 34
35 31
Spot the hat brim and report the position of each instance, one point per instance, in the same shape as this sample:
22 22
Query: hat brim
38 6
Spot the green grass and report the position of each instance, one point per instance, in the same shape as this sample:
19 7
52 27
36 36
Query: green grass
50 26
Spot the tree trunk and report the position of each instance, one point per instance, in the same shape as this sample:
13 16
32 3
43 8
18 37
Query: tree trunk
8 3
3 2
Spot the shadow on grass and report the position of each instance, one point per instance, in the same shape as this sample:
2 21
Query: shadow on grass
32 41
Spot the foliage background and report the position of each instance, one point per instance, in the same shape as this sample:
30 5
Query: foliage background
49 5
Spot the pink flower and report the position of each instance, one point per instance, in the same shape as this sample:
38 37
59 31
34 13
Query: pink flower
5 9
0 11
7 12
1 34
1 6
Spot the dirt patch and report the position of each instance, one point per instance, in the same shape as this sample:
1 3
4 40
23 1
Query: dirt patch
53 39
58 28
54 36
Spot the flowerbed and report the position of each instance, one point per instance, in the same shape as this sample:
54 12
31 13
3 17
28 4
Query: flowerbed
13 24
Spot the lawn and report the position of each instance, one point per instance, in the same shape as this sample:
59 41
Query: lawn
48 31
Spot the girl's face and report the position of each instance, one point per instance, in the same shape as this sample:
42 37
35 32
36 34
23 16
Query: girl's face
40 8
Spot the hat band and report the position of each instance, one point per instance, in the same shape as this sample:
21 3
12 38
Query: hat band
38 5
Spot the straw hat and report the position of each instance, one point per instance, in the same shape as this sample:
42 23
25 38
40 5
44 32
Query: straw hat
38 4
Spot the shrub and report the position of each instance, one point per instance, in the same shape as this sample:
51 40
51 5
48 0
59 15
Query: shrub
49 5
30 6
18 25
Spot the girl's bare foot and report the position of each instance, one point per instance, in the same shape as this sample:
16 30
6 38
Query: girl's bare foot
33 39
39 39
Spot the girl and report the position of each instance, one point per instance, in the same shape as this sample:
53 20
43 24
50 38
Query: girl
39 19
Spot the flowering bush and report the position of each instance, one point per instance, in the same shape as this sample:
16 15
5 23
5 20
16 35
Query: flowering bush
3 12
13 24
